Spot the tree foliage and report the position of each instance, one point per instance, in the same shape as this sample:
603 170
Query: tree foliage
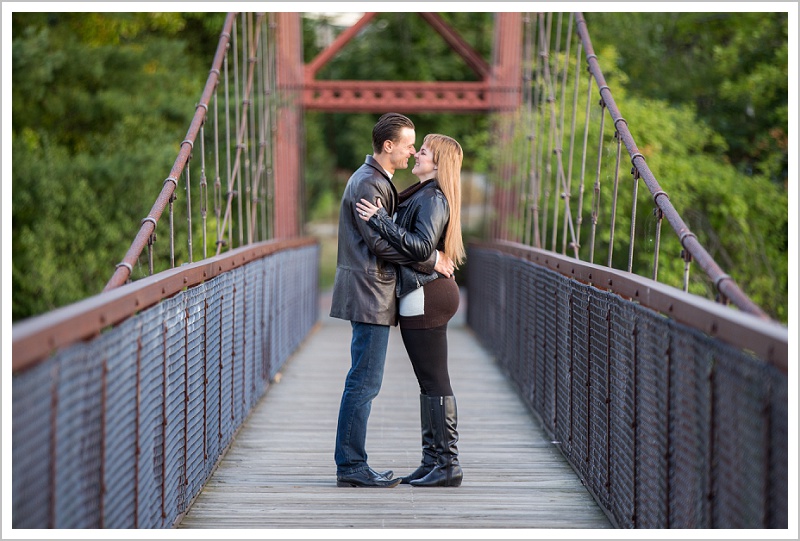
733 67
99 105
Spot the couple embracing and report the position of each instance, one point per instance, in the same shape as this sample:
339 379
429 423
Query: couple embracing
396 257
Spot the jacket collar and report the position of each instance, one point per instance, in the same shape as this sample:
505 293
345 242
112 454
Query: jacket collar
406 194
372 162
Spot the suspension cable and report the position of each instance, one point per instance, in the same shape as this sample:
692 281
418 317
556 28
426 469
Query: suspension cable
596 197
614 197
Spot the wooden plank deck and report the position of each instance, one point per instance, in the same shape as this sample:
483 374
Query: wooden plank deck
280 473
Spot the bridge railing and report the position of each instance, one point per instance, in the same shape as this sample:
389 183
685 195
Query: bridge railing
553 188
123 403
673 409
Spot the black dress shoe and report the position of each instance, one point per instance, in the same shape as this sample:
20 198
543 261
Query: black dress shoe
366 478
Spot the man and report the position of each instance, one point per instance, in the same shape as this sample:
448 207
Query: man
364 294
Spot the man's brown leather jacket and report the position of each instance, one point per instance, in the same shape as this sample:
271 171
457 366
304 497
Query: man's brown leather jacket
364 286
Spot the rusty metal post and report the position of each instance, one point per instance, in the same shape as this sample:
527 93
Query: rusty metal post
506 74
505 93
289 60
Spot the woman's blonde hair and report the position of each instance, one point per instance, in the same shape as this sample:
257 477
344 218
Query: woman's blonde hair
447 156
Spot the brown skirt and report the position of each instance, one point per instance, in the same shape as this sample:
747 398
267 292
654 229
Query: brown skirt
441 303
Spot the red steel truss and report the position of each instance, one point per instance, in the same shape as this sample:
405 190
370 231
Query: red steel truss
499 87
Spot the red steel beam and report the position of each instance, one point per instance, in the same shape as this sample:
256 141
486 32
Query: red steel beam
408 96
498 90
506 92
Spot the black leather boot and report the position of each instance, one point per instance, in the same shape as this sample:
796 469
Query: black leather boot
428 449
444 421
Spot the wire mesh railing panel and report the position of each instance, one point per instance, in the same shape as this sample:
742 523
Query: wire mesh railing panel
776 503
79 439
227 360
750 444
175 370
598 394
239 364
549 338
652 372
738 496
579 361
119 440
690 446
485 281
123 430
563 366
540 342
515 342
249 338
621 409
215 290
270 284
195 325
527 331
32 434
669 427
150 459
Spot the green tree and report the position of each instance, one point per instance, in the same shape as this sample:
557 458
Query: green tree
100 102
99 105
733 67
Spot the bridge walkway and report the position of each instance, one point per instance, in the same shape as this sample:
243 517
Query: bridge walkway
279 471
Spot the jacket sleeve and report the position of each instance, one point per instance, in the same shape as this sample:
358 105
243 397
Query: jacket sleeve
419 242
378 245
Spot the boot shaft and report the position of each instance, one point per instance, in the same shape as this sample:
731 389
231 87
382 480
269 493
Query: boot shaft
426 430
443 413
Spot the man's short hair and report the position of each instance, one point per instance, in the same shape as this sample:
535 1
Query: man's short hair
388 128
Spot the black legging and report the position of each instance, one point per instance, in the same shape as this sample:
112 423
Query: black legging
427 349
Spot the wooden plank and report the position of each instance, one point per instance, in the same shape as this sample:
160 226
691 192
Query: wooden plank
280 472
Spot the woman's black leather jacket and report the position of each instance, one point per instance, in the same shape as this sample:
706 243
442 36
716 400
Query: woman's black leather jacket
416 232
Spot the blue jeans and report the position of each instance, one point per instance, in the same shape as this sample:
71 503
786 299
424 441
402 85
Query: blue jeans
368 358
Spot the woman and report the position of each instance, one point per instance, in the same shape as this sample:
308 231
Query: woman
429 218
